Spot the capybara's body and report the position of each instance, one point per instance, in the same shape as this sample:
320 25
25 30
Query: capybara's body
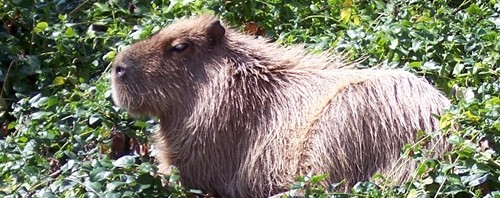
241 117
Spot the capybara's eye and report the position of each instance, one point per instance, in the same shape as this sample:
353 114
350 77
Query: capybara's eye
179 47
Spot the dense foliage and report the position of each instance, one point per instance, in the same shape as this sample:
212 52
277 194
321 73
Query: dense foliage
61 135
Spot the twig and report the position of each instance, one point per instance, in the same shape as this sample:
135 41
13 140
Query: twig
6 76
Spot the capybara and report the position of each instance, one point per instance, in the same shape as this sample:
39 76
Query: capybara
242 117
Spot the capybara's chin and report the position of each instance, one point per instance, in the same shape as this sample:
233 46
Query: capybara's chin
136 100
126 99
242 117
127 103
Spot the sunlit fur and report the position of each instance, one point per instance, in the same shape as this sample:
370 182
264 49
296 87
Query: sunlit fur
241 117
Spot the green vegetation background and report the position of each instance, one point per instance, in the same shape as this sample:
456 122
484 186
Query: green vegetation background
61 134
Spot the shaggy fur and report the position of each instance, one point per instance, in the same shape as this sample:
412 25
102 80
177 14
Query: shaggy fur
241 117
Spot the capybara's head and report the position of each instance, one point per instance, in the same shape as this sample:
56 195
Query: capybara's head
156 75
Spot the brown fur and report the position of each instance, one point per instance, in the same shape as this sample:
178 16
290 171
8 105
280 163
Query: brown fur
241 117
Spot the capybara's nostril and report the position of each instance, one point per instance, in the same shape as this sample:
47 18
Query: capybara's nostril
119 71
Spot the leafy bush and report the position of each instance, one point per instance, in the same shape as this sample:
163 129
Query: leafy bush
62 137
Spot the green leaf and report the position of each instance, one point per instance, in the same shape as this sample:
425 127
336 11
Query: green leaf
99 174
314 7
40 27
356 20
430 65
90 195
318 178
421 169
59 80
70 32
40 115
454 189
424 19
199 192
146 168
413 194
62 17
115 195
475 180
51 102
47 194
125 161
415 64
94 118
11 125
174 178
101 8
427 181
69 165
364 187
93 186
416 45
458 69
448 167
345 15
109 56
454 139
473 9
470 115
34 63
394 44
114 185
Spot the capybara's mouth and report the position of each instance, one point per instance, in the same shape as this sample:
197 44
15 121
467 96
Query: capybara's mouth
122 98
117 96
130 99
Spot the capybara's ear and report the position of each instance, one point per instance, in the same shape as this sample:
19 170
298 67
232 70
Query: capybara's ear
215 32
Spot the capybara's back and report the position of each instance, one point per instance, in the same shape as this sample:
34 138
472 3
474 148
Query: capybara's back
242 117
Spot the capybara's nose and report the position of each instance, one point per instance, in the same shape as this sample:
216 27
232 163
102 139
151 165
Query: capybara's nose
119 70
